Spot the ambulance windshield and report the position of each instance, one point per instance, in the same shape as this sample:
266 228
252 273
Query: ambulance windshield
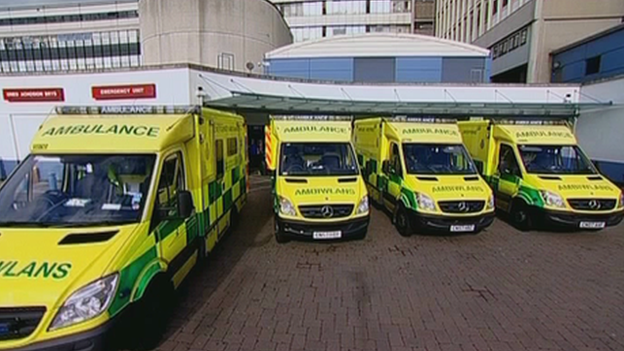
317 159
76 190
438 159
555 159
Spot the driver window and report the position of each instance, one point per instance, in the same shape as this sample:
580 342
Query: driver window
171 182
42 178
507 162
395 159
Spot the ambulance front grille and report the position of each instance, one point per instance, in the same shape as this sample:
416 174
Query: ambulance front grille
19 323
461 206
592 204
326 211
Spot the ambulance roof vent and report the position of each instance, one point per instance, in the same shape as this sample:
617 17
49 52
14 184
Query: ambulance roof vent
88 238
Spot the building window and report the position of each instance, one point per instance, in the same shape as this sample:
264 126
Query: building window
592 65
225 61
77 51
69 18
495 7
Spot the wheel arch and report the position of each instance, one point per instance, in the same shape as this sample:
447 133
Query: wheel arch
153 271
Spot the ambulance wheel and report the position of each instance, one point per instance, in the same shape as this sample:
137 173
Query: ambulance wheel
520 216
279 233
233 219
402 222
156 307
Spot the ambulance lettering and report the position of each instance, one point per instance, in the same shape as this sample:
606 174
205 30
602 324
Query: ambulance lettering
453 188
437 131
46 270
100 129
584 187
324 191
544 134
316 129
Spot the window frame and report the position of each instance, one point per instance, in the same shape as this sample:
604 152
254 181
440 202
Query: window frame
220 158
518 167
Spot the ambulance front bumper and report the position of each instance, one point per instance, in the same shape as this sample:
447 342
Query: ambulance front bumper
306 230
91 340
449 224
571 220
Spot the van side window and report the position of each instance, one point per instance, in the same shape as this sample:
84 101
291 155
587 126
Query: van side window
220 159
395 159
232 148
172 181
507 162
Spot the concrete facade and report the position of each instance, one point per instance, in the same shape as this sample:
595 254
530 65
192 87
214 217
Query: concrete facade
315 19
53 35
523 33
227 34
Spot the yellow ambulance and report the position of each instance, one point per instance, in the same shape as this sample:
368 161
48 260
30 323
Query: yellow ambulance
318 191
106 217
540 175
419 170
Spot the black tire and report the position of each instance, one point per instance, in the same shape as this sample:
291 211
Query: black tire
402 222
233 219
155 310
520 216
279 233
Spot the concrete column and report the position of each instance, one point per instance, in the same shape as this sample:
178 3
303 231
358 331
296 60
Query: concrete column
536 42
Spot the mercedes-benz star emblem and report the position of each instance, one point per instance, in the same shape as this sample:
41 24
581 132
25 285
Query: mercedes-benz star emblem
327 211
594 204
462 207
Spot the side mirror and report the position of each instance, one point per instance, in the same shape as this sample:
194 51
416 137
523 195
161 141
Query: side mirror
185 204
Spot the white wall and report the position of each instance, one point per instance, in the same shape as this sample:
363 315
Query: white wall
20 121
600 132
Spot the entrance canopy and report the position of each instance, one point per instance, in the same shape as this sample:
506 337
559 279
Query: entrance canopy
282 96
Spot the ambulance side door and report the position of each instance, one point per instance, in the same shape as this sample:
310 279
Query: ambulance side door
393 170
506 179
168 223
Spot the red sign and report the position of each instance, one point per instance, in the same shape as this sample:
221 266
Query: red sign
119 92
34 95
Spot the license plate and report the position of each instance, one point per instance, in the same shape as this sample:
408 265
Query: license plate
327 235
593 225
462 228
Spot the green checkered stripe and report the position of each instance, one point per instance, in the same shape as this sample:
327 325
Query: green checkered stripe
198 225
525 192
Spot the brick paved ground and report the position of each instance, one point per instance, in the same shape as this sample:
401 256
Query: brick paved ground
500 290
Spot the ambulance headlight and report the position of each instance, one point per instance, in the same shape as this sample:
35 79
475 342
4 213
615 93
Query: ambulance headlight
425 202
87 302
552 199
286 207
363 206
491 204
621 200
